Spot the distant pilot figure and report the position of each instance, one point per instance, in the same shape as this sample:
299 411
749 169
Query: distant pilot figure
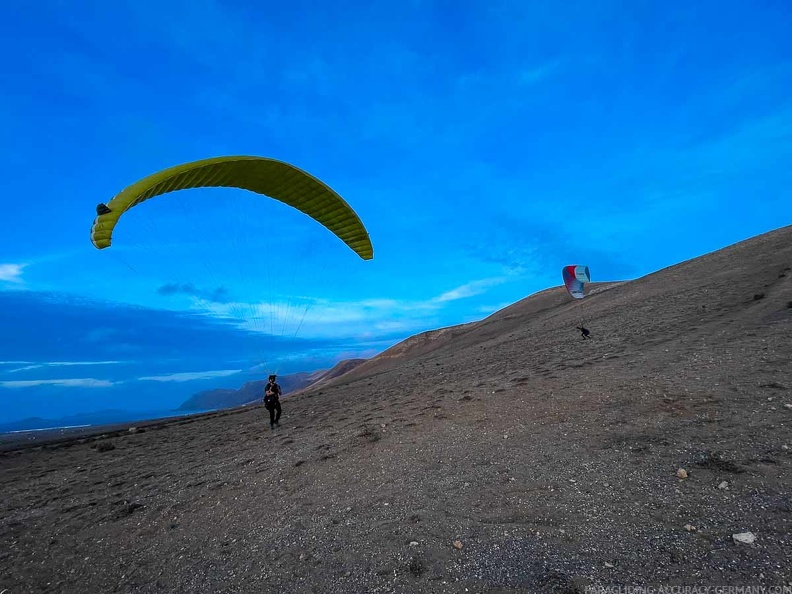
272 393
584 332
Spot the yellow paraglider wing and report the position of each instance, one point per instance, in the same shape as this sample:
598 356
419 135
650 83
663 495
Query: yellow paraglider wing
269 177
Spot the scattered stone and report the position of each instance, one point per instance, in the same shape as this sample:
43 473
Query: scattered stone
690 528
458 544
744 537
724 486
682 473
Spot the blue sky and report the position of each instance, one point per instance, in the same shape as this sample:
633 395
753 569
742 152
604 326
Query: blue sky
484 145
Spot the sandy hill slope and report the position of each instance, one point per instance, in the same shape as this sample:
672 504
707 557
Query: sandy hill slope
508 455
452 337
339 369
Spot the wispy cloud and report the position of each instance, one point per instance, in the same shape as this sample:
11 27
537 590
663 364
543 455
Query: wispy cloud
310 318
30 365
190 376
469 290
11 273
323 318
88 382
286 317
218 295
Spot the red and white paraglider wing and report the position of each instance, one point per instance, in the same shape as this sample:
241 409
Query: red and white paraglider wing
575 278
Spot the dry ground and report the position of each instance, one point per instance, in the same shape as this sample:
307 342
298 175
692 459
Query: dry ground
503 456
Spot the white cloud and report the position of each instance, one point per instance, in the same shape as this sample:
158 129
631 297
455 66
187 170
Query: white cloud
318 318
28 365
11 273
286 318
88 382
190 376
469 289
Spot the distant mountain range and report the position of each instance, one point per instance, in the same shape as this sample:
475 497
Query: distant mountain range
254 390
205 401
